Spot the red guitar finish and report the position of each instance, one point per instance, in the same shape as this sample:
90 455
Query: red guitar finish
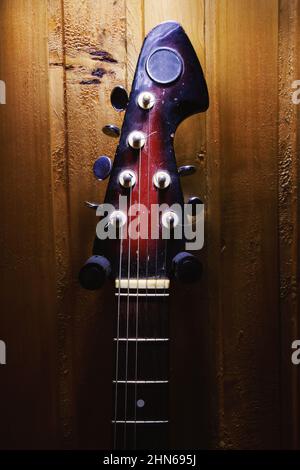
169 73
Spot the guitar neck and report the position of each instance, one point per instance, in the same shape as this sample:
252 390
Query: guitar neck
143 230
141 369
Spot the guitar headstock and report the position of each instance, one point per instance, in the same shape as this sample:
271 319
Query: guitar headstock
140 234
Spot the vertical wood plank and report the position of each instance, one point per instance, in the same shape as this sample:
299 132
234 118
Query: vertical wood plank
242 150
95 62
60 184
27 323
47 233
189 353
190 137
289 147
135 33
213 229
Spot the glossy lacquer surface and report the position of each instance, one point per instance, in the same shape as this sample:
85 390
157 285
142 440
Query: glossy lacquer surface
169 72
174 102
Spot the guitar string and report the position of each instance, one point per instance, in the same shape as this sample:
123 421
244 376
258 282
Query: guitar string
155 299
117 345
137 297
165 319
147 255
127 323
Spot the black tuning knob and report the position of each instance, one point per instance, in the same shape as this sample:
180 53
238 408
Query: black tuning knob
119 98
102 167
94 273
186 267
111 130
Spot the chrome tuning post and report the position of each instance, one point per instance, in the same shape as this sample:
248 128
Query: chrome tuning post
136 139
161 179
169 220
146 100
117 219
127 178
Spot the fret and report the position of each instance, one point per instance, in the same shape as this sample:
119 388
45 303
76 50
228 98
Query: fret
142 265
141 381
141 422
142 339
141 294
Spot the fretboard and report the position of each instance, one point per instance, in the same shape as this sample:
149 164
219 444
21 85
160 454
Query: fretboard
141 369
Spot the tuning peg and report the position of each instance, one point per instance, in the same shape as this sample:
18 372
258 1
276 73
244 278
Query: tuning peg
91 205
102 167
119 98
186 267
94 272
194 201
111 130
187 170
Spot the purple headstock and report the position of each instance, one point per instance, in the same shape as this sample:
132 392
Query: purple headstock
168 87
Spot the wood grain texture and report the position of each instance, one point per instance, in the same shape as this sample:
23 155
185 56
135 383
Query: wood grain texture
234 385
188 150
94 33
242 188
61 228
288 179
189 353
28 324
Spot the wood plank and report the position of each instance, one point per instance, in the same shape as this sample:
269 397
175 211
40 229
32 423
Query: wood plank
60 207
190 421
190 144
242 149
213 231
28 380
289 147
135 33
94 33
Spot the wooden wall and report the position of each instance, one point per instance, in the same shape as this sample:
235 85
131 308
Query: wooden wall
234 385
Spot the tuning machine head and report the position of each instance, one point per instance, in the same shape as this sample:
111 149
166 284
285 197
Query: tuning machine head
119 98
194 201
136 139
127 178
91 205
146 100
94 272
186 267
102 167
161 179
111 130
187 170
169 220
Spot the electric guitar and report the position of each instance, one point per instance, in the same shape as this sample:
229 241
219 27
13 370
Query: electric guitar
141 241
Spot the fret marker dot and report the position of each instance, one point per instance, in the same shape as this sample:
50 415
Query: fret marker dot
140 403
